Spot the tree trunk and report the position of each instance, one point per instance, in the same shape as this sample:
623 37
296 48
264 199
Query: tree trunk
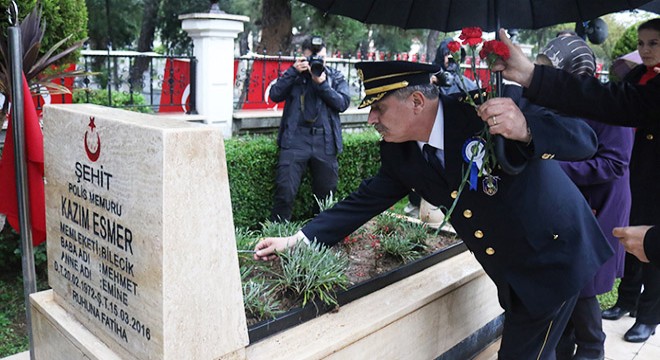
275 27
432 45
145 42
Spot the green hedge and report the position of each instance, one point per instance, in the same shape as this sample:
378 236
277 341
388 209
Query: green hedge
120 99
251 162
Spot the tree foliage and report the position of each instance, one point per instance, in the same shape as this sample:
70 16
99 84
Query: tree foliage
62 18
394 39
175 40
627 43
114 21
341 34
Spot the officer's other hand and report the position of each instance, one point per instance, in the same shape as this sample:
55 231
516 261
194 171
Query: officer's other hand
319 79
632 238
301 64
266 249
517 67
504 117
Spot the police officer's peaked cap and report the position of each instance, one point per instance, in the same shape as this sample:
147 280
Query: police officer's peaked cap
382 77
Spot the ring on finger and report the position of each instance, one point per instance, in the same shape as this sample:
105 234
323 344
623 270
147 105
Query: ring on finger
494 120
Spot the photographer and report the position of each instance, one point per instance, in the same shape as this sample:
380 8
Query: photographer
310 129
449 77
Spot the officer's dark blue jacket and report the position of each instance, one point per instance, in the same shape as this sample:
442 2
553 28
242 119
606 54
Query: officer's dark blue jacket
536 236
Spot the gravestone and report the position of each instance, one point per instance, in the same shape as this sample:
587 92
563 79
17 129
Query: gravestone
141 250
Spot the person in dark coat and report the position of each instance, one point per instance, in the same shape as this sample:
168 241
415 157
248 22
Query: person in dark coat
634 103
310 130
450 78
624 103
639 291
604 181
533 233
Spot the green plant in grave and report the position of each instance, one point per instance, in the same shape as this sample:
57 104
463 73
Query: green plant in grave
401 247
386 224
327 203
415 233
257 297
313 272
280 229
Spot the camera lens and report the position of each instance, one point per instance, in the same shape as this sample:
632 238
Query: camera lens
316 65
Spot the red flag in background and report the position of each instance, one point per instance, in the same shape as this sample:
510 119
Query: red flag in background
34 151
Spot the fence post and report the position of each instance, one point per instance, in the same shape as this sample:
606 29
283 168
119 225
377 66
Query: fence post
213 37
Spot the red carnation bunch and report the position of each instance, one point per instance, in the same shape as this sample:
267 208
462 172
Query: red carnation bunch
471 36
490 52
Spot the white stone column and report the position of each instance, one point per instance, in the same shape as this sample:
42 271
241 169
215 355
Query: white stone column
213 37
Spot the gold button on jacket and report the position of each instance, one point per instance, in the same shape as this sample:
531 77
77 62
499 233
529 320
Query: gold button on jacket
467 213
490 251
478 234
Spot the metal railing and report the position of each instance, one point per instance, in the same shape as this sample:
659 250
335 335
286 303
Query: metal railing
255 74
112 81
147 82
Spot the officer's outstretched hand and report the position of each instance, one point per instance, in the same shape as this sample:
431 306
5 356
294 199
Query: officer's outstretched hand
632 238
266 248
504 117
517 67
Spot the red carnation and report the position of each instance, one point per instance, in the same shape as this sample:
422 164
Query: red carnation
454 46
493 49
471 36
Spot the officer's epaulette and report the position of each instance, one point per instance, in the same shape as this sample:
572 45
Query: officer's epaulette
474 94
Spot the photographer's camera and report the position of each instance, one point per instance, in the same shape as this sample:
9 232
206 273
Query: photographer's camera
316 62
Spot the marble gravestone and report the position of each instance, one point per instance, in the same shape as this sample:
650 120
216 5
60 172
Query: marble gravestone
141 250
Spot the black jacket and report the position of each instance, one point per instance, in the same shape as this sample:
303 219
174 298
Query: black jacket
626 104
330 98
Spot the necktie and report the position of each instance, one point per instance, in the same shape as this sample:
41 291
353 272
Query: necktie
433 157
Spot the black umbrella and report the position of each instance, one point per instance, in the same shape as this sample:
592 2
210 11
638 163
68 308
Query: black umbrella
653 6
489 15
451 15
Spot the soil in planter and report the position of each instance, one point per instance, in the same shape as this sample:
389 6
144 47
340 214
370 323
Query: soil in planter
365 260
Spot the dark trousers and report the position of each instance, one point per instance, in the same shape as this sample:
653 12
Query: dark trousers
527 336
631 296
414 199
307 151
584 329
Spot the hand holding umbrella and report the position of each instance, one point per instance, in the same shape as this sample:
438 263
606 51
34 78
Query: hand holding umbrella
517 68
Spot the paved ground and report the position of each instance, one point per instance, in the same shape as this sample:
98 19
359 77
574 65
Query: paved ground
615 347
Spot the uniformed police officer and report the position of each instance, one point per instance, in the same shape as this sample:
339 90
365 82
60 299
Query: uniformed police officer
533 233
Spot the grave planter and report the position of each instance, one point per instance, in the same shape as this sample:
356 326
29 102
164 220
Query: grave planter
300 315
448 310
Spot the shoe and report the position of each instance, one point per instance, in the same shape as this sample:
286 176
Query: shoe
614 313
411 210
639 333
